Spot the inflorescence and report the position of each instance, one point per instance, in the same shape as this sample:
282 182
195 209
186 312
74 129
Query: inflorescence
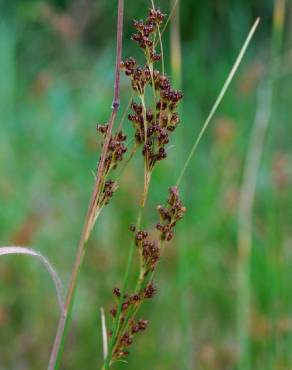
169 215
150 251
153 125
129 325
115 154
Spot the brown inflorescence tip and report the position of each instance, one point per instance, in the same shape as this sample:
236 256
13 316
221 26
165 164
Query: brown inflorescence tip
116 151
152 125
130 302
126 338
145 32
170 215
102 128
115 154
149 250
117 292
109 188
149 291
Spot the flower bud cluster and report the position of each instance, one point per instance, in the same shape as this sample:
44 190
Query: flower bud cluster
127 338
115 154
109 188
152 125
149 250
130 303
170 214
146 33
140 77
152 128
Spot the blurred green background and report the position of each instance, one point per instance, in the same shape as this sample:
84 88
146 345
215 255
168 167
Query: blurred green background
56 81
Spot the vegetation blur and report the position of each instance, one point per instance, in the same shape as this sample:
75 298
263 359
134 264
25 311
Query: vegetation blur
224 285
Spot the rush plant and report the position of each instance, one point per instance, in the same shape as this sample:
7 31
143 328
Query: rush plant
154 117
154 120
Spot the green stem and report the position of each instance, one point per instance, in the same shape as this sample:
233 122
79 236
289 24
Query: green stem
266 96
219 99
115 337
169 17
142 99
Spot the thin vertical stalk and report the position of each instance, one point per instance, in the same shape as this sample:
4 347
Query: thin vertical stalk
107 361
170 16
244 237
218 100
64 320
276 61
266 93
160 42
175 45
183 268
115 331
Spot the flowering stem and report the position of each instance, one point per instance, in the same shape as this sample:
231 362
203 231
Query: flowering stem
152 131
57 351
115 336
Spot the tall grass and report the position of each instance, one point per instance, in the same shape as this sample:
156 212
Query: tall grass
183 268
265 106
56 356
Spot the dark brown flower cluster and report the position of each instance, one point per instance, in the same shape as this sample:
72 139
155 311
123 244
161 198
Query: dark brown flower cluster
140 77
169 99
109 188
115 154
116 148
130 301
127 338
129 305
146 32
152 129
152 124
170 214
149 250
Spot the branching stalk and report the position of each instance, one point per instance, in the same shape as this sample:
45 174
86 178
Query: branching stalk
57 351
266 94
115 333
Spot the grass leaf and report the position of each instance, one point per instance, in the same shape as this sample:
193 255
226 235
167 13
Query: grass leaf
53 273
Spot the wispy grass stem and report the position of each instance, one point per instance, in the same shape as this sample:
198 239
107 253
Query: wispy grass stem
248 190
219 99
57 351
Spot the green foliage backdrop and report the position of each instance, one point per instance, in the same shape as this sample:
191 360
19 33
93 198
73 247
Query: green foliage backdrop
56 80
